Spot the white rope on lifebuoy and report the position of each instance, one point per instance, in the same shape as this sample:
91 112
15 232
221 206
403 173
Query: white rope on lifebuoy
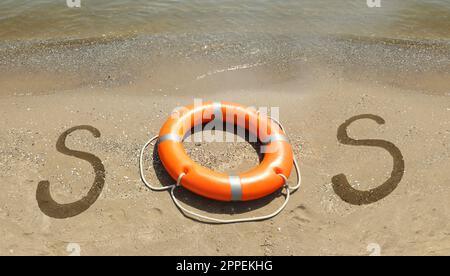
193 214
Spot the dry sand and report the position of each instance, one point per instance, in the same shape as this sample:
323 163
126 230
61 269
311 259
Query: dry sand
126 95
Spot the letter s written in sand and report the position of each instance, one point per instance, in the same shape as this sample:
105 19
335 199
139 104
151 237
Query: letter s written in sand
60 211
341 185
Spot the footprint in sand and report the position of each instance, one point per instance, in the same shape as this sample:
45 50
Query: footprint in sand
155 212
301 214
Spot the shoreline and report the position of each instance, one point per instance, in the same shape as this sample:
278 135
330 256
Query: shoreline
182 62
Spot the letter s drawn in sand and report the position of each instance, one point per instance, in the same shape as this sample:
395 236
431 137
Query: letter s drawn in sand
61 211
341 185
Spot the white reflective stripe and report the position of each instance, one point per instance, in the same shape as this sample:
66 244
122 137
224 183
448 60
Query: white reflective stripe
217 108
170 137
276 137
236 188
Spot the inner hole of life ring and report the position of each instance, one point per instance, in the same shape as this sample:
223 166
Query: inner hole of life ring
231 150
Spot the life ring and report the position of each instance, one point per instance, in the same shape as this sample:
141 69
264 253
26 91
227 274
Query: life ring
270 175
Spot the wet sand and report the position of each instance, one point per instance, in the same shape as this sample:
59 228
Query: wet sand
126 95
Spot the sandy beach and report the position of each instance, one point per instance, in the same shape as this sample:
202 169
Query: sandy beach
120 91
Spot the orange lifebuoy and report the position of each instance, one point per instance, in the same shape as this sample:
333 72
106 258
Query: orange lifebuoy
266 178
